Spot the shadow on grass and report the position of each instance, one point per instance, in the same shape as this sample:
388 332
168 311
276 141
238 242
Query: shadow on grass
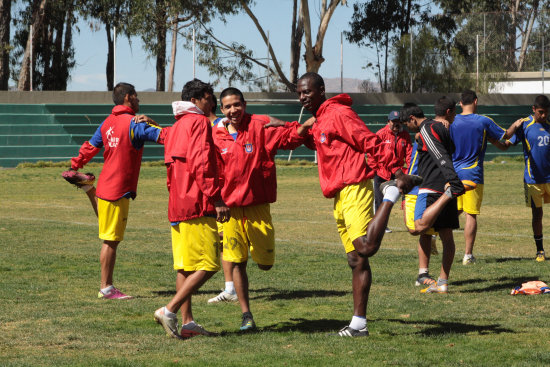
269 294
436 328
499 284
307 326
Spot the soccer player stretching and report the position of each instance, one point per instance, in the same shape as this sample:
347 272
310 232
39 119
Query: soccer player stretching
341 140
534 133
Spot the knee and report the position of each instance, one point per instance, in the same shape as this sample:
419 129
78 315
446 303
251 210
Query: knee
265 267
357 261
365 248
111 244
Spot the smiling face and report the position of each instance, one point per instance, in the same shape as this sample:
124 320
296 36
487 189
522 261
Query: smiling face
310 96
233 108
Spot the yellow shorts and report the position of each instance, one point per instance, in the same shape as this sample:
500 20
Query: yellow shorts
353 211
195 245
470 202
112 217
410 203
249 227
536 194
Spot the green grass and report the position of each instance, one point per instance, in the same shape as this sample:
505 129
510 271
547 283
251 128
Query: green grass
49 273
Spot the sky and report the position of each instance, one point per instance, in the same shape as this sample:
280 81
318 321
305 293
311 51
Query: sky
133 65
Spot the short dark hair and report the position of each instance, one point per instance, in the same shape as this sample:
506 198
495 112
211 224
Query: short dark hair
317 79
121 90
443 104
195 89
231 91
541 102
410 109
468 97
215 105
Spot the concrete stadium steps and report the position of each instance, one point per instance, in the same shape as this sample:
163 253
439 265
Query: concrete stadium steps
33 132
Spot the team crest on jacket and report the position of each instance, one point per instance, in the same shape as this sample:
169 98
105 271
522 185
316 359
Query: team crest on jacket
112 141
248 148
323 138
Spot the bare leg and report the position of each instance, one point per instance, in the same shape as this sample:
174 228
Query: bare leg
470 231
93 199
240 278
107 260
361 282
431 213
227 270
424 250
188 283
448 242
369 244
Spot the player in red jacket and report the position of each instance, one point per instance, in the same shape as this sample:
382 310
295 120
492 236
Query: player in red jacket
396 149
341 140
248 150
194 205
122 135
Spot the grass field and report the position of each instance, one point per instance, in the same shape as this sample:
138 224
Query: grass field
49 276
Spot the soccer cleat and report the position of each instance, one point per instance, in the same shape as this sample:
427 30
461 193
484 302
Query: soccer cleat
224 297
78 179
248 322
194 330
350 332
468 260
170 324
388 230
434 288
417 180
113 294
424 279
540 256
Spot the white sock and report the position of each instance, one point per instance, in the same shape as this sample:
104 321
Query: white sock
87 188
189 325
448 192
107 290
230 287
358 322
422 270
391 194
169 313
468 256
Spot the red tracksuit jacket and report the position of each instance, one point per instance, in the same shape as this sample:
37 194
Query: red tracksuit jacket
395 150
192 172
342 139
249 173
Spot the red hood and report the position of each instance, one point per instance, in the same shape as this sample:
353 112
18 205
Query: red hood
120 109
344 99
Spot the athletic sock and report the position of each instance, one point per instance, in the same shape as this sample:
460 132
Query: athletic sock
391 194
538 242
169 313
442 282
107 290
189 325
468 256
230 287
448 192
422 271
358 322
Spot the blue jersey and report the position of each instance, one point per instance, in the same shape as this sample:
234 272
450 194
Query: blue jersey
413 167
469 134
536 150
140 132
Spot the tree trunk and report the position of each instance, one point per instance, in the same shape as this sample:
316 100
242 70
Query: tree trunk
161 45
5 19
109 70
296 42
67 45
173 56
386 63
527 34
37 21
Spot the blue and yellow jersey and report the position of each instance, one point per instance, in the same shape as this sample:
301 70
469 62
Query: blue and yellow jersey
140 132
469 134
413 167
536 150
